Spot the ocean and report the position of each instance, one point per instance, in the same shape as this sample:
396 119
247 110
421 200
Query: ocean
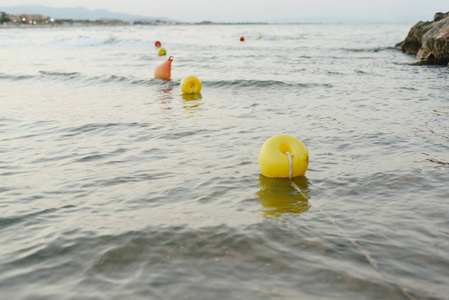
115 185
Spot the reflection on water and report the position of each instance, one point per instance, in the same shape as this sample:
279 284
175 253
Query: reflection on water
192 101
278 197
170 102
166 96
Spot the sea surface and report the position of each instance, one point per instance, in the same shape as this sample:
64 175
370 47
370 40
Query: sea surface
115 185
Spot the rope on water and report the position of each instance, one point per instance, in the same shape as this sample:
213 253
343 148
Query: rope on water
290 174
359 247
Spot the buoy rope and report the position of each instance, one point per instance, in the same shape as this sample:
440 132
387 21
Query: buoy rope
367 255
290 176
291 165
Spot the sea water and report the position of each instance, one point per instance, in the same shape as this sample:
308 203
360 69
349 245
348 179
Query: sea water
114 185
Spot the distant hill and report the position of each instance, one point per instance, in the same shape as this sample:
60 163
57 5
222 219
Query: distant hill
76 13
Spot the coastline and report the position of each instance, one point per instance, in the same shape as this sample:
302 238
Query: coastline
79 25
28 26
82 25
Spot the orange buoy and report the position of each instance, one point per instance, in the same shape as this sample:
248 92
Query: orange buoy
157 44
163 71
242 39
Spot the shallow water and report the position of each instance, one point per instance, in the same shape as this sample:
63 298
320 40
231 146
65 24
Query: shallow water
114 185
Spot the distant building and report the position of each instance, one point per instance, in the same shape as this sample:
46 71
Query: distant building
32 19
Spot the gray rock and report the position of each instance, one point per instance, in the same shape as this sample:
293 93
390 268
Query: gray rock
429 41
438 16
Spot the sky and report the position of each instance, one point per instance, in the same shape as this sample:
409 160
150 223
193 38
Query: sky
262 10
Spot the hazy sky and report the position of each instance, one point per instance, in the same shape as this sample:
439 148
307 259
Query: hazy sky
261 10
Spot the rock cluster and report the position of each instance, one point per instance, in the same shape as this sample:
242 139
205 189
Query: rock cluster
429 41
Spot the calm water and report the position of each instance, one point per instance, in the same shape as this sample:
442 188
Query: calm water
113 185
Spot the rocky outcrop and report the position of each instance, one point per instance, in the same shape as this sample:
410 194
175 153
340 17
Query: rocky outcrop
429 41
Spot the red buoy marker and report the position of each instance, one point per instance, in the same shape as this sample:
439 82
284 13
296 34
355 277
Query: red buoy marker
157 44
242 39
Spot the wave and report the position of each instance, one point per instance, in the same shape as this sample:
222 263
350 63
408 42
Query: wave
14 219
76 76
69 74
131 80
260 83
43 75
12 77
83 41
373 50
99 127
87 41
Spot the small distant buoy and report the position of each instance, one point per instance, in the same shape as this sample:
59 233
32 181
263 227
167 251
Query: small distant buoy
260 36
242 39
162 51
157 44
274 161
163 71
191 85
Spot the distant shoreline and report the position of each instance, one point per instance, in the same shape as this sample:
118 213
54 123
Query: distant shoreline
30 26
81 25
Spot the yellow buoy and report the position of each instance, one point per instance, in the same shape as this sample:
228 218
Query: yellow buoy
191 85
161 51
274 161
